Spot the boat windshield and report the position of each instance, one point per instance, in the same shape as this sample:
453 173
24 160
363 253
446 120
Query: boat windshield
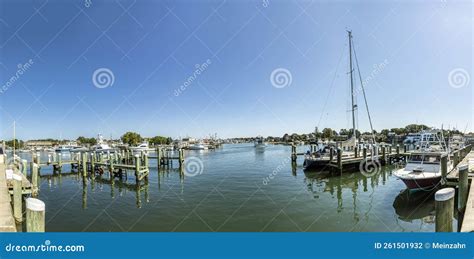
430 159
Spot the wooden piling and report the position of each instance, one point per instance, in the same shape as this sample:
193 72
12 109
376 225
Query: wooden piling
455 158
444 166
17 198
137 165
339 160
331 154
293 152
84 163
398 150
34 179
444 199
364 152
356 152
181 157
23 167
35 215
383 154
463 186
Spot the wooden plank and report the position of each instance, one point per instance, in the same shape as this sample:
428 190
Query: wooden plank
7 222
468 222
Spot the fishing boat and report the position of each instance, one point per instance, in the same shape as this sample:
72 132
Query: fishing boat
259 143
423 167
142 147
102 145
320 157
197 146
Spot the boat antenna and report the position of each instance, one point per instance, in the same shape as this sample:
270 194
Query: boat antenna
365 97
352 84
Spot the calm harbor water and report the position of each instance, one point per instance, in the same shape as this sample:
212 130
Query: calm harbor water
239 189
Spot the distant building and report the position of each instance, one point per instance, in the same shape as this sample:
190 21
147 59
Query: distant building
39 144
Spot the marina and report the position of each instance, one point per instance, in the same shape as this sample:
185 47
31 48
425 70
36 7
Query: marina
163 196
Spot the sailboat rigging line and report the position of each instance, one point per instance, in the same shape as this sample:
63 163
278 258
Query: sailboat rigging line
352 84
365 98
331 87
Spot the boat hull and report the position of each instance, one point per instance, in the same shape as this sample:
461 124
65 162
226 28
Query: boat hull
315 164
422 183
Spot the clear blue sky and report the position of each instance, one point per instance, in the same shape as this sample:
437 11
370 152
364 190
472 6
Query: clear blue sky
152 48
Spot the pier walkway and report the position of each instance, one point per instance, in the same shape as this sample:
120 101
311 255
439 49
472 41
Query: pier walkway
7 222
468 221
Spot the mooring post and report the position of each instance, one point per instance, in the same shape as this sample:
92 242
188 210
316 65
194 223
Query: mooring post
444 203
158 155
444 166
181 157
339 159
383 154
364 152
137 165
463 186
331 154
60 162
35 215
398 150
356 152
34 179
23 167
455 158
293 152
146 160
92 163
17 198
49 158
405 148
84 163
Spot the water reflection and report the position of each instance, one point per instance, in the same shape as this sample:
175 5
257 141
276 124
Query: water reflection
411 206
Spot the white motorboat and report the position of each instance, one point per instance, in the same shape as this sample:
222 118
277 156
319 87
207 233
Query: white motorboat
423 168
197 146
102 145
259 143
142 147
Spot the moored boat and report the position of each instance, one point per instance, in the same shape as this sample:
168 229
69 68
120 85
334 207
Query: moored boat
423 167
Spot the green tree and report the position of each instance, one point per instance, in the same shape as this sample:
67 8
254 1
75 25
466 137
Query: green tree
160 140
86 141
131 138
328 133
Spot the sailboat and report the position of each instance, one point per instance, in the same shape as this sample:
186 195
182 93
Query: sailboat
321 157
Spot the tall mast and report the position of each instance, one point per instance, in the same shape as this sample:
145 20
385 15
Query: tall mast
352 85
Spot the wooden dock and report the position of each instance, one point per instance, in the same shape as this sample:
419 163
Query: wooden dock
461 177
468 221
7 222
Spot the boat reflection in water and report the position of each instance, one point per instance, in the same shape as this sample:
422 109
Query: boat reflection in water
410 206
